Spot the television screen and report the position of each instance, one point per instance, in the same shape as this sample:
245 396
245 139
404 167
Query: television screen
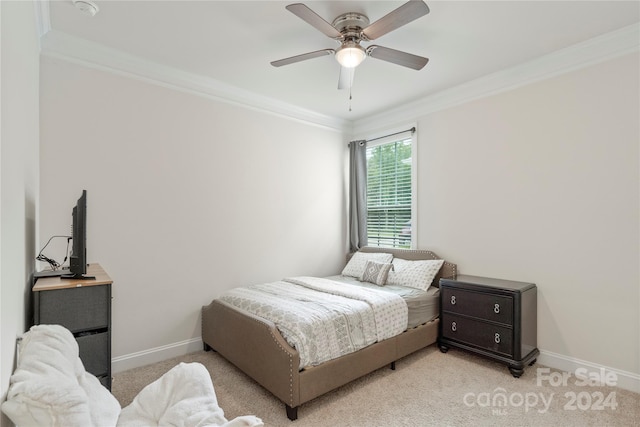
78 258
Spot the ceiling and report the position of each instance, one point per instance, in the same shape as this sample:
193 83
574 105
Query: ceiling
233 42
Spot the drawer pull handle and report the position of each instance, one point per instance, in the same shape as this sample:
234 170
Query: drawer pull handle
496 308
453 300
454 327
496 338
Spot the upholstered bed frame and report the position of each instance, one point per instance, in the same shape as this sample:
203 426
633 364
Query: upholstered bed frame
255 346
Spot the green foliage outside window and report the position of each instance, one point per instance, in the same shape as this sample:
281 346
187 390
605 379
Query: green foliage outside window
389 194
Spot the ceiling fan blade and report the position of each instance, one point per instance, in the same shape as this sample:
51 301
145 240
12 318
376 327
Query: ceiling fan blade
406 13
346 78
397 57
303 57
310 17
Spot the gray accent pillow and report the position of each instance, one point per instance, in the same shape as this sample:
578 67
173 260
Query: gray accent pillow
355 266
376 272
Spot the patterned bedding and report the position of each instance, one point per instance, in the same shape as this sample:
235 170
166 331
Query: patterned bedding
424 306
321 318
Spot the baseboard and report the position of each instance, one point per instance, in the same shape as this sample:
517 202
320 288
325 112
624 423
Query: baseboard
154 355
625 380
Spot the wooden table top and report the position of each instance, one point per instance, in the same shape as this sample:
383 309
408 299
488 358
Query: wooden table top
94 269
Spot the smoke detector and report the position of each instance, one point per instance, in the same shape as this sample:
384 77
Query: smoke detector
86 6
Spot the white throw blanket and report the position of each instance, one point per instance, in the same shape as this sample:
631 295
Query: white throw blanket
321 318
50 387
182 397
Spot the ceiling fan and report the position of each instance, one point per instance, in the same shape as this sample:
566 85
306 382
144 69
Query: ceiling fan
352 28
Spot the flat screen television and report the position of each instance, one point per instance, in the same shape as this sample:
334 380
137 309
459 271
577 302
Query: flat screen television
78 258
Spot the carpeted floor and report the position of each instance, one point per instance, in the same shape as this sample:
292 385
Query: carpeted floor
428 388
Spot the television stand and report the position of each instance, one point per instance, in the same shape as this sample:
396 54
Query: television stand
84 308
51 273
77 276
63 273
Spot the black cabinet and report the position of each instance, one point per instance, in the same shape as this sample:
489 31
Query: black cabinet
83 307
491 317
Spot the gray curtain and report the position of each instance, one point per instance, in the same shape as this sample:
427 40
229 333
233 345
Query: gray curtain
357 194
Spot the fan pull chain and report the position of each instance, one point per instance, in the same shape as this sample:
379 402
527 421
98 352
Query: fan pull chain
350 98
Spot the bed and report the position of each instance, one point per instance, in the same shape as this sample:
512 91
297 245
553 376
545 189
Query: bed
256 346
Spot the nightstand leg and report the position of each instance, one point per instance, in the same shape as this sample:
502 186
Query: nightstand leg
516 372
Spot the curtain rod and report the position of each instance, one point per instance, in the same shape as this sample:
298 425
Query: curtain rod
412 130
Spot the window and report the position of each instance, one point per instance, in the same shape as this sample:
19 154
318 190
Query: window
389 197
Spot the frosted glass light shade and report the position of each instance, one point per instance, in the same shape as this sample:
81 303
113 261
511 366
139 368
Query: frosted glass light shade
350 56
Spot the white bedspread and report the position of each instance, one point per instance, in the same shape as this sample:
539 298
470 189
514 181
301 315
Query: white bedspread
321 318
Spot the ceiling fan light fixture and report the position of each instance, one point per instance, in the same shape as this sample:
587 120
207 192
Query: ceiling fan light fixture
350 54
86 6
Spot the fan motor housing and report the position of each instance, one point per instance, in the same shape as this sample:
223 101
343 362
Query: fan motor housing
351 23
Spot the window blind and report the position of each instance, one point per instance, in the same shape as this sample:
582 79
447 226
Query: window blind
389 194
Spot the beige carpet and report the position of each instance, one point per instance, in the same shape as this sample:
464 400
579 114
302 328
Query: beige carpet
428 388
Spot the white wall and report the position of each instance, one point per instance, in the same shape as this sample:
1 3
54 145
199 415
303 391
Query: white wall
18 175
187 196
541 184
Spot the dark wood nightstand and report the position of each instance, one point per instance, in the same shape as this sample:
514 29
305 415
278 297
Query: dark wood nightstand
491 317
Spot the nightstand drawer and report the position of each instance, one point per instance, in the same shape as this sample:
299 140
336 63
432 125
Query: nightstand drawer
497 308
94 353
485 335
77 309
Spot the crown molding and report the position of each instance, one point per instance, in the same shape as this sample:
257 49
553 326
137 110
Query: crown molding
60 45
590 52
43 17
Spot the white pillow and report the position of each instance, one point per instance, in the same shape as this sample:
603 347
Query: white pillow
376 272
414 274
355 266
